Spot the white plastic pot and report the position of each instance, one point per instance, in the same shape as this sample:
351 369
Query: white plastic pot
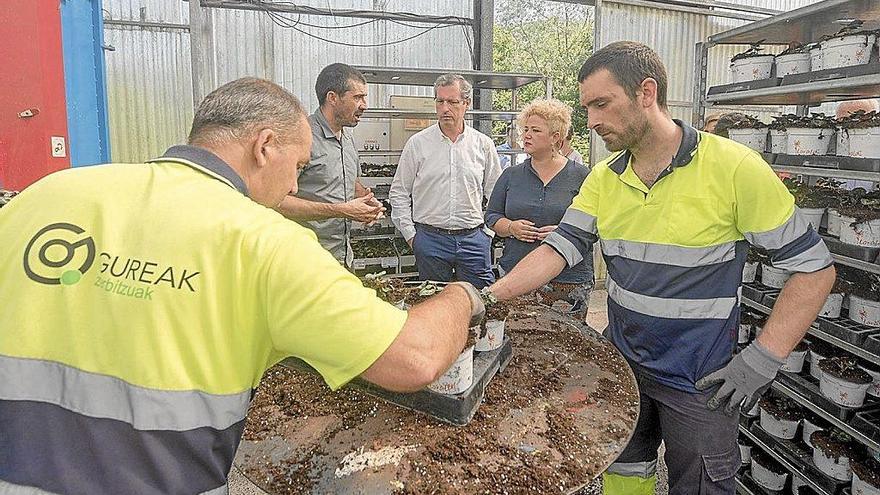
755 139
806 141
745 453
779 428
841 391
493 338
842 148
808 429
792 63
846 51
874 387
813 216
815 359
753 411
831 308
459 377
751 68
743 334
864 311
860 487
834 221
778 141
864 143
773 277
749 272
866 234
794 363
766 478
816 58
839 469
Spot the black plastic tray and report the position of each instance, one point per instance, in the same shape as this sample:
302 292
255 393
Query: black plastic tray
769 157
808 386
868 422
856 252
760 293
801 457
829 74
848 330
829 161
872 344
455 409
745 476
744 86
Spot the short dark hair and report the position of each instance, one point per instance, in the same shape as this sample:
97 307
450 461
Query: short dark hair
336 77
630 63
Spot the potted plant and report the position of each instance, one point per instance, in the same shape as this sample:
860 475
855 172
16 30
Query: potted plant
864 298
820 350
751 65
832 452
780 416
866 476
794 60
767 472
834 301
492 327
861 134
390 290
794 363
811 424
810 135
749 131
779 132
849 46
843 381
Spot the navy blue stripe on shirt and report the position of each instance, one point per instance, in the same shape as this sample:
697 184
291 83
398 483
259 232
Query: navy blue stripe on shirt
807 240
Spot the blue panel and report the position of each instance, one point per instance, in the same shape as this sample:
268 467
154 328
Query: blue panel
85 82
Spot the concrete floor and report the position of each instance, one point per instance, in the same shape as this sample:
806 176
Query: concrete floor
597 318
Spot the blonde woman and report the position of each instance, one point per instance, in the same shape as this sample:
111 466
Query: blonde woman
529 199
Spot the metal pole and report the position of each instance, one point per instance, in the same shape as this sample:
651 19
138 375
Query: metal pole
484 14
201 36
700 74
289 8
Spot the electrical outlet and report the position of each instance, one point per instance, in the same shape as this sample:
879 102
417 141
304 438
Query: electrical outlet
59 148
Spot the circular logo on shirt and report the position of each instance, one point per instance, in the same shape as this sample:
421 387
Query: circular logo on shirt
59 254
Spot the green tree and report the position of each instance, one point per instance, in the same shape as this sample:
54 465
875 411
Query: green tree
549 38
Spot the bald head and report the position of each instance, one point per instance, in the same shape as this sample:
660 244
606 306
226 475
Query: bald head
846 108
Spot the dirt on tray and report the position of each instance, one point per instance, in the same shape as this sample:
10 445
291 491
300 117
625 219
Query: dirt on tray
868 470
781 408
458 459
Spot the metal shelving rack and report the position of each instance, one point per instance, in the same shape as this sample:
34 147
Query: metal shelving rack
480 80
803 25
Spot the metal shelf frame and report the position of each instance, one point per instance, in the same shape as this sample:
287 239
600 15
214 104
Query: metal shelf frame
782 460
395 113
810 93
425 77
828 172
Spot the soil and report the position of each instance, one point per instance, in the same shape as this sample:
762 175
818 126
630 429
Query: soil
754 50
834 444
781 408
841 286
768 462
868 470
845 368
450 459
795 48
390 290
860 212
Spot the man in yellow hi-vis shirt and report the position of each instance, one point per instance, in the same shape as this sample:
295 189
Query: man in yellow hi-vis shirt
674 211
143 302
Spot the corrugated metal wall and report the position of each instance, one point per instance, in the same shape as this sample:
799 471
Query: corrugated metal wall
149 74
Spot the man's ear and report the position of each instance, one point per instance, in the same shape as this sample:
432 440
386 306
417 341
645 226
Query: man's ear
648 89
264 139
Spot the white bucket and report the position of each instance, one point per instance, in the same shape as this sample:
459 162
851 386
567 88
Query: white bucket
813 216
778 141
745 453
494 336
743 334
459 377
847 51
766 478
842 142
860 487
864 143
773 277
864 311
815 359
874 387
865 234
838 470
792 63
808 429
805 141
834 222
794 363
779 428
842 392
816 59
751 68
755 139
750 271
831 308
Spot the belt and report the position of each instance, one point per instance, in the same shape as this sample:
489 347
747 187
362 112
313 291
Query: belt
438 230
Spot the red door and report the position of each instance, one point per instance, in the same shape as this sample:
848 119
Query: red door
33 112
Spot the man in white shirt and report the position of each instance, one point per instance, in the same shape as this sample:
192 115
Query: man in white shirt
437 194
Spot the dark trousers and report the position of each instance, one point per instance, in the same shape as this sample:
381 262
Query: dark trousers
701 451
467 257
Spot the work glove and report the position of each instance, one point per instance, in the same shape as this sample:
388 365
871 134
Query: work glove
745 378
478 309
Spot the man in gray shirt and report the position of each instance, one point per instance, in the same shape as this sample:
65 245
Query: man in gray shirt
330 195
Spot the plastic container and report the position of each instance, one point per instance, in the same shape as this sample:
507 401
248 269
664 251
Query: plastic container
745 453
779 428
767 478
750 271
815 359
834 221
459 377
773 277
832 306
813 216
755 139
874 387
808 429
842 392
838 469
794 363
807 141
860 487
864 143
846 51
865 234
842 136
864 311
792 63
494 336
778 141
816 62
752 68
743 335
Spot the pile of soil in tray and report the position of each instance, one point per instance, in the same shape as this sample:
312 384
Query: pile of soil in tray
845 368
390 290
557 292
764 459
835 444
781 408
287 399
868 470
421 292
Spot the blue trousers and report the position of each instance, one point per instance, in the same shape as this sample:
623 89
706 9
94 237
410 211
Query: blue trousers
441 256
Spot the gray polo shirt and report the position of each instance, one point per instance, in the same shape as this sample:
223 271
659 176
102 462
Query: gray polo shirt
329 178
